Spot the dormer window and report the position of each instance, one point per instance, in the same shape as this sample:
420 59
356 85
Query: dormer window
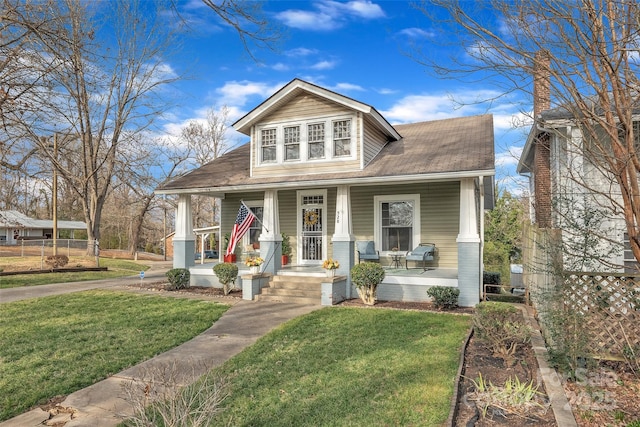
316 140
292 143
268 141
342 137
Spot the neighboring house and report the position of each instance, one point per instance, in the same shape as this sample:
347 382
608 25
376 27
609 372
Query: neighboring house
15 227
328 170
568 192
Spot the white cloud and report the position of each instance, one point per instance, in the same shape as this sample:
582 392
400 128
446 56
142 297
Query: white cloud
236 94
301 51
280 67
347 87
418 108
417 33
307 20
509 157
323 65
330 15
359 9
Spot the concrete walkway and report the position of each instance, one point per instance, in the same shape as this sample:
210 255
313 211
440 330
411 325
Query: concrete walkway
103 404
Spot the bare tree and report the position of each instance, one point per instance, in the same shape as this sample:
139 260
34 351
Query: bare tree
207 141
79 89
248 20
591 49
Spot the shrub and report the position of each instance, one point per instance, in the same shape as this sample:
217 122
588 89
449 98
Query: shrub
444 296
226 273
57 261
491 278
178 278
366 277
502 327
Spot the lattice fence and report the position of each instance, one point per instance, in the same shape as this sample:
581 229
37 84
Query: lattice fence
610 306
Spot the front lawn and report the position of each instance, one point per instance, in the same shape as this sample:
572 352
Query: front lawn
348 367
56 345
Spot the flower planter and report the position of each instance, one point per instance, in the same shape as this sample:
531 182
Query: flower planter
255 269
331 273
285 259
230 258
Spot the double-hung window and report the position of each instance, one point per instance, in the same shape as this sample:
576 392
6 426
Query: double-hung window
397 221
342 138
315 140
268 145
292 143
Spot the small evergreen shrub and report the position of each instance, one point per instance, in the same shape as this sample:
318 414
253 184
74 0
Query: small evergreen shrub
57 261
366 277
178 278
444 297
227 273
502 327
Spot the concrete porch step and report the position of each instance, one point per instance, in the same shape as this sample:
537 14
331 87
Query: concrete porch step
295 289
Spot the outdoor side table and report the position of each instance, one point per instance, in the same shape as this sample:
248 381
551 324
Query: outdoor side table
395 259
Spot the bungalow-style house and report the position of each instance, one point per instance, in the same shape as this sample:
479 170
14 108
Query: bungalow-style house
15 227
328 171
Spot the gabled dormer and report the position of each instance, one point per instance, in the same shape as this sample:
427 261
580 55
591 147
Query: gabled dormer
304 129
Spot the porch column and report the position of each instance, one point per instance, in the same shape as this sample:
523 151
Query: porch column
343 240
469 269
270 238
184 241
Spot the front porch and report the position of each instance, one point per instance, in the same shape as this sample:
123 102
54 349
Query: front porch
399 284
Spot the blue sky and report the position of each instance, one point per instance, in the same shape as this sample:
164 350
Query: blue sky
361 49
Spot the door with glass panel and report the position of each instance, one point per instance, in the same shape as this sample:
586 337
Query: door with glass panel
311 226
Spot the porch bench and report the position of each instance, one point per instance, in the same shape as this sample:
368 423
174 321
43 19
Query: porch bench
423 253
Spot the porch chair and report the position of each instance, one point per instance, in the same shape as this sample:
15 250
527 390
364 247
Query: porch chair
423 253
367 251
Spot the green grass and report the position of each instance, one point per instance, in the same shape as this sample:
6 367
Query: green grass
348 367
116 268
56 345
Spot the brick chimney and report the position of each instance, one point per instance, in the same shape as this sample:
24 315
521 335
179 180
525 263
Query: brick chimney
542 158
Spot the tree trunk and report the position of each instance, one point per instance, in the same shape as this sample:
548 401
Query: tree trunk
368 294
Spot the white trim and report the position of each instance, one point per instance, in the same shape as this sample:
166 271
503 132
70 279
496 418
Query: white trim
377 180
303 124
377 217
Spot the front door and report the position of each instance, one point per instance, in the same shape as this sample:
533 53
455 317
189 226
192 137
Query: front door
311 227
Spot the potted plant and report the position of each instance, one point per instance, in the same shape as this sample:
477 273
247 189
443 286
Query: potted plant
286 249
254 264
231 257
226 273
331 265
366 277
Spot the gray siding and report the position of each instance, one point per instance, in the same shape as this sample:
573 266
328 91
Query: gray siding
374 140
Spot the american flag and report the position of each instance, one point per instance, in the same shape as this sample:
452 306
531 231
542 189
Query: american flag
243 222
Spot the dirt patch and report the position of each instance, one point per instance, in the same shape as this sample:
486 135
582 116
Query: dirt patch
477 409
405 305
206 291
605 396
